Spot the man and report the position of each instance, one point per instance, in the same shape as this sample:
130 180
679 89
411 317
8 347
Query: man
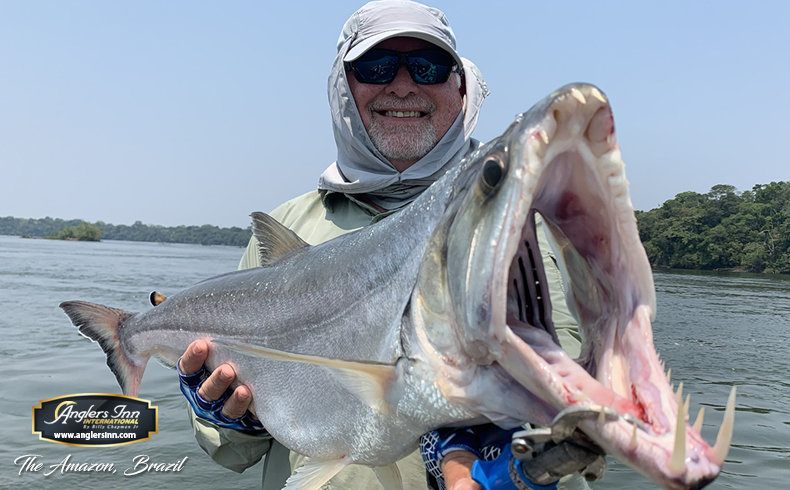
404 105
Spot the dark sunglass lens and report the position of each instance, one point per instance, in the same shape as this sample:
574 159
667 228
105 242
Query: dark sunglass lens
437 56
430 66
428 73
376 66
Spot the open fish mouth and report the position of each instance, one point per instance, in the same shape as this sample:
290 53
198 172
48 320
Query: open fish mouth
567 167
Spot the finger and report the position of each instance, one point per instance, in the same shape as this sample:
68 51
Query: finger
238 403
466 484
217 382
457 471
194 357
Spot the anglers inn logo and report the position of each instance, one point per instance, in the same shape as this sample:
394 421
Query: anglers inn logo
95 419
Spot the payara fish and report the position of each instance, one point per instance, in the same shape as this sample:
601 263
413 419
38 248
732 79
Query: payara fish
439 316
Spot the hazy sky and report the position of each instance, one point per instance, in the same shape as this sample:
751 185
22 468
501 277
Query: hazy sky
197 112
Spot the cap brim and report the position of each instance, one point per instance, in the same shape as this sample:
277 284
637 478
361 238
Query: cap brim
361 48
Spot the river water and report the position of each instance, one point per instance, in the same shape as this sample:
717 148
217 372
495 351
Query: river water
713 330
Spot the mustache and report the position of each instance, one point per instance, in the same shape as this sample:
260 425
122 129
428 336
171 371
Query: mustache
410 102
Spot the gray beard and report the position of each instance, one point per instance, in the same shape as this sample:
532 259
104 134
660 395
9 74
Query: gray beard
406 145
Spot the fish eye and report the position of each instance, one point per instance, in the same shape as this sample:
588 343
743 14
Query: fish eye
492 174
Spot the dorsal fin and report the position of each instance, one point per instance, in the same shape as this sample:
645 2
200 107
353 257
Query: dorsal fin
274 239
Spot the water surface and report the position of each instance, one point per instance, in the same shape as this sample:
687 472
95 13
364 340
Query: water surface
713 330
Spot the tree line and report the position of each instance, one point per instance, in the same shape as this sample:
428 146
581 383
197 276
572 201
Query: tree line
139 232
721 230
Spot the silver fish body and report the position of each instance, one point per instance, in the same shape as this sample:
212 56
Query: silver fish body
439 315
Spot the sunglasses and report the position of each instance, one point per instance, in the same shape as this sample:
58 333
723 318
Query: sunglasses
426 66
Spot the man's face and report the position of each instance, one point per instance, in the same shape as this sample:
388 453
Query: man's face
404 119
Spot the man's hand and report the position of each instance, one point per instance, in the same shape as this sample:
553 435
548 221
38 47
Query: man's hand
217 382
457 468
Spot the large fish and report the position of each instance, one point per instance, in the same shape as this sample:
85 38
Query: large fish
439 315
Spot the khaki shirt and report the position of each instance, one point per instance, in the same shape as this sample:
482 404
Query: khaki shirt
317 217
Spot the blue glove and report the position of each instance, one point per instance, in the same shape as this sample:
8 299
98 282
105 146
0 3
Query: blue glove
485 441
212 411
501 472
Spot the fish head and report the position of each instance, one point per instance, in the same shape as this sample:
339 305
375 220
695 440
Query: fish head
560 163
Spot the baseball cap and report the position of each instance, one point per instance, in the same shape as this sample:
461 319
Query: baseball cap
377 21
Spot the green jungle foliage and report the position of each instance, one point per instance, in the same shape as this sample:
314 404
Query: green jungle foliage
58 228
84 232
721 230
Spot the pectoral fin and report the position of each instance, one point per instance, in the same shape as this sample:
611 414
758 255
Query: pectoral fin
368 380
313 474
389 477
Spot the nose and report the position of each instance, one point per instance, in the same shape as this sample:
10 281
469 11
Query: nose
402 85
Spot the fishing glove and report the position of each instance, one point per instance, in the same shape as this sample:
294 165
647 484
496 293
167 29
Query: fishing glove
212 410
488 442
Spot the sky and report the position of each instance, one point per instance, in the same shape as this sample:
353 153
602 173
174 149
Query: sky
194 112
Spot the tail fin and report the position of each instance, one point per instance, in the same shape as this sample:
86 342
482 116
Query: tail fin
101 324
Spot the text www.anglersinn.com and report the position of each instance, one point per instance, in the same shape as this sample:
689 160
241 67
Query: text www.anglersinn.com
94 435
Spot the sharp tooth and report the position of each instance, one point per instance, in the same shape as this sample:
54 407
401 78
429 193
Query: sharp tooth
698 422
677 462
576 93
544 136
537 147
722 446
601 416
597 94
669 375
